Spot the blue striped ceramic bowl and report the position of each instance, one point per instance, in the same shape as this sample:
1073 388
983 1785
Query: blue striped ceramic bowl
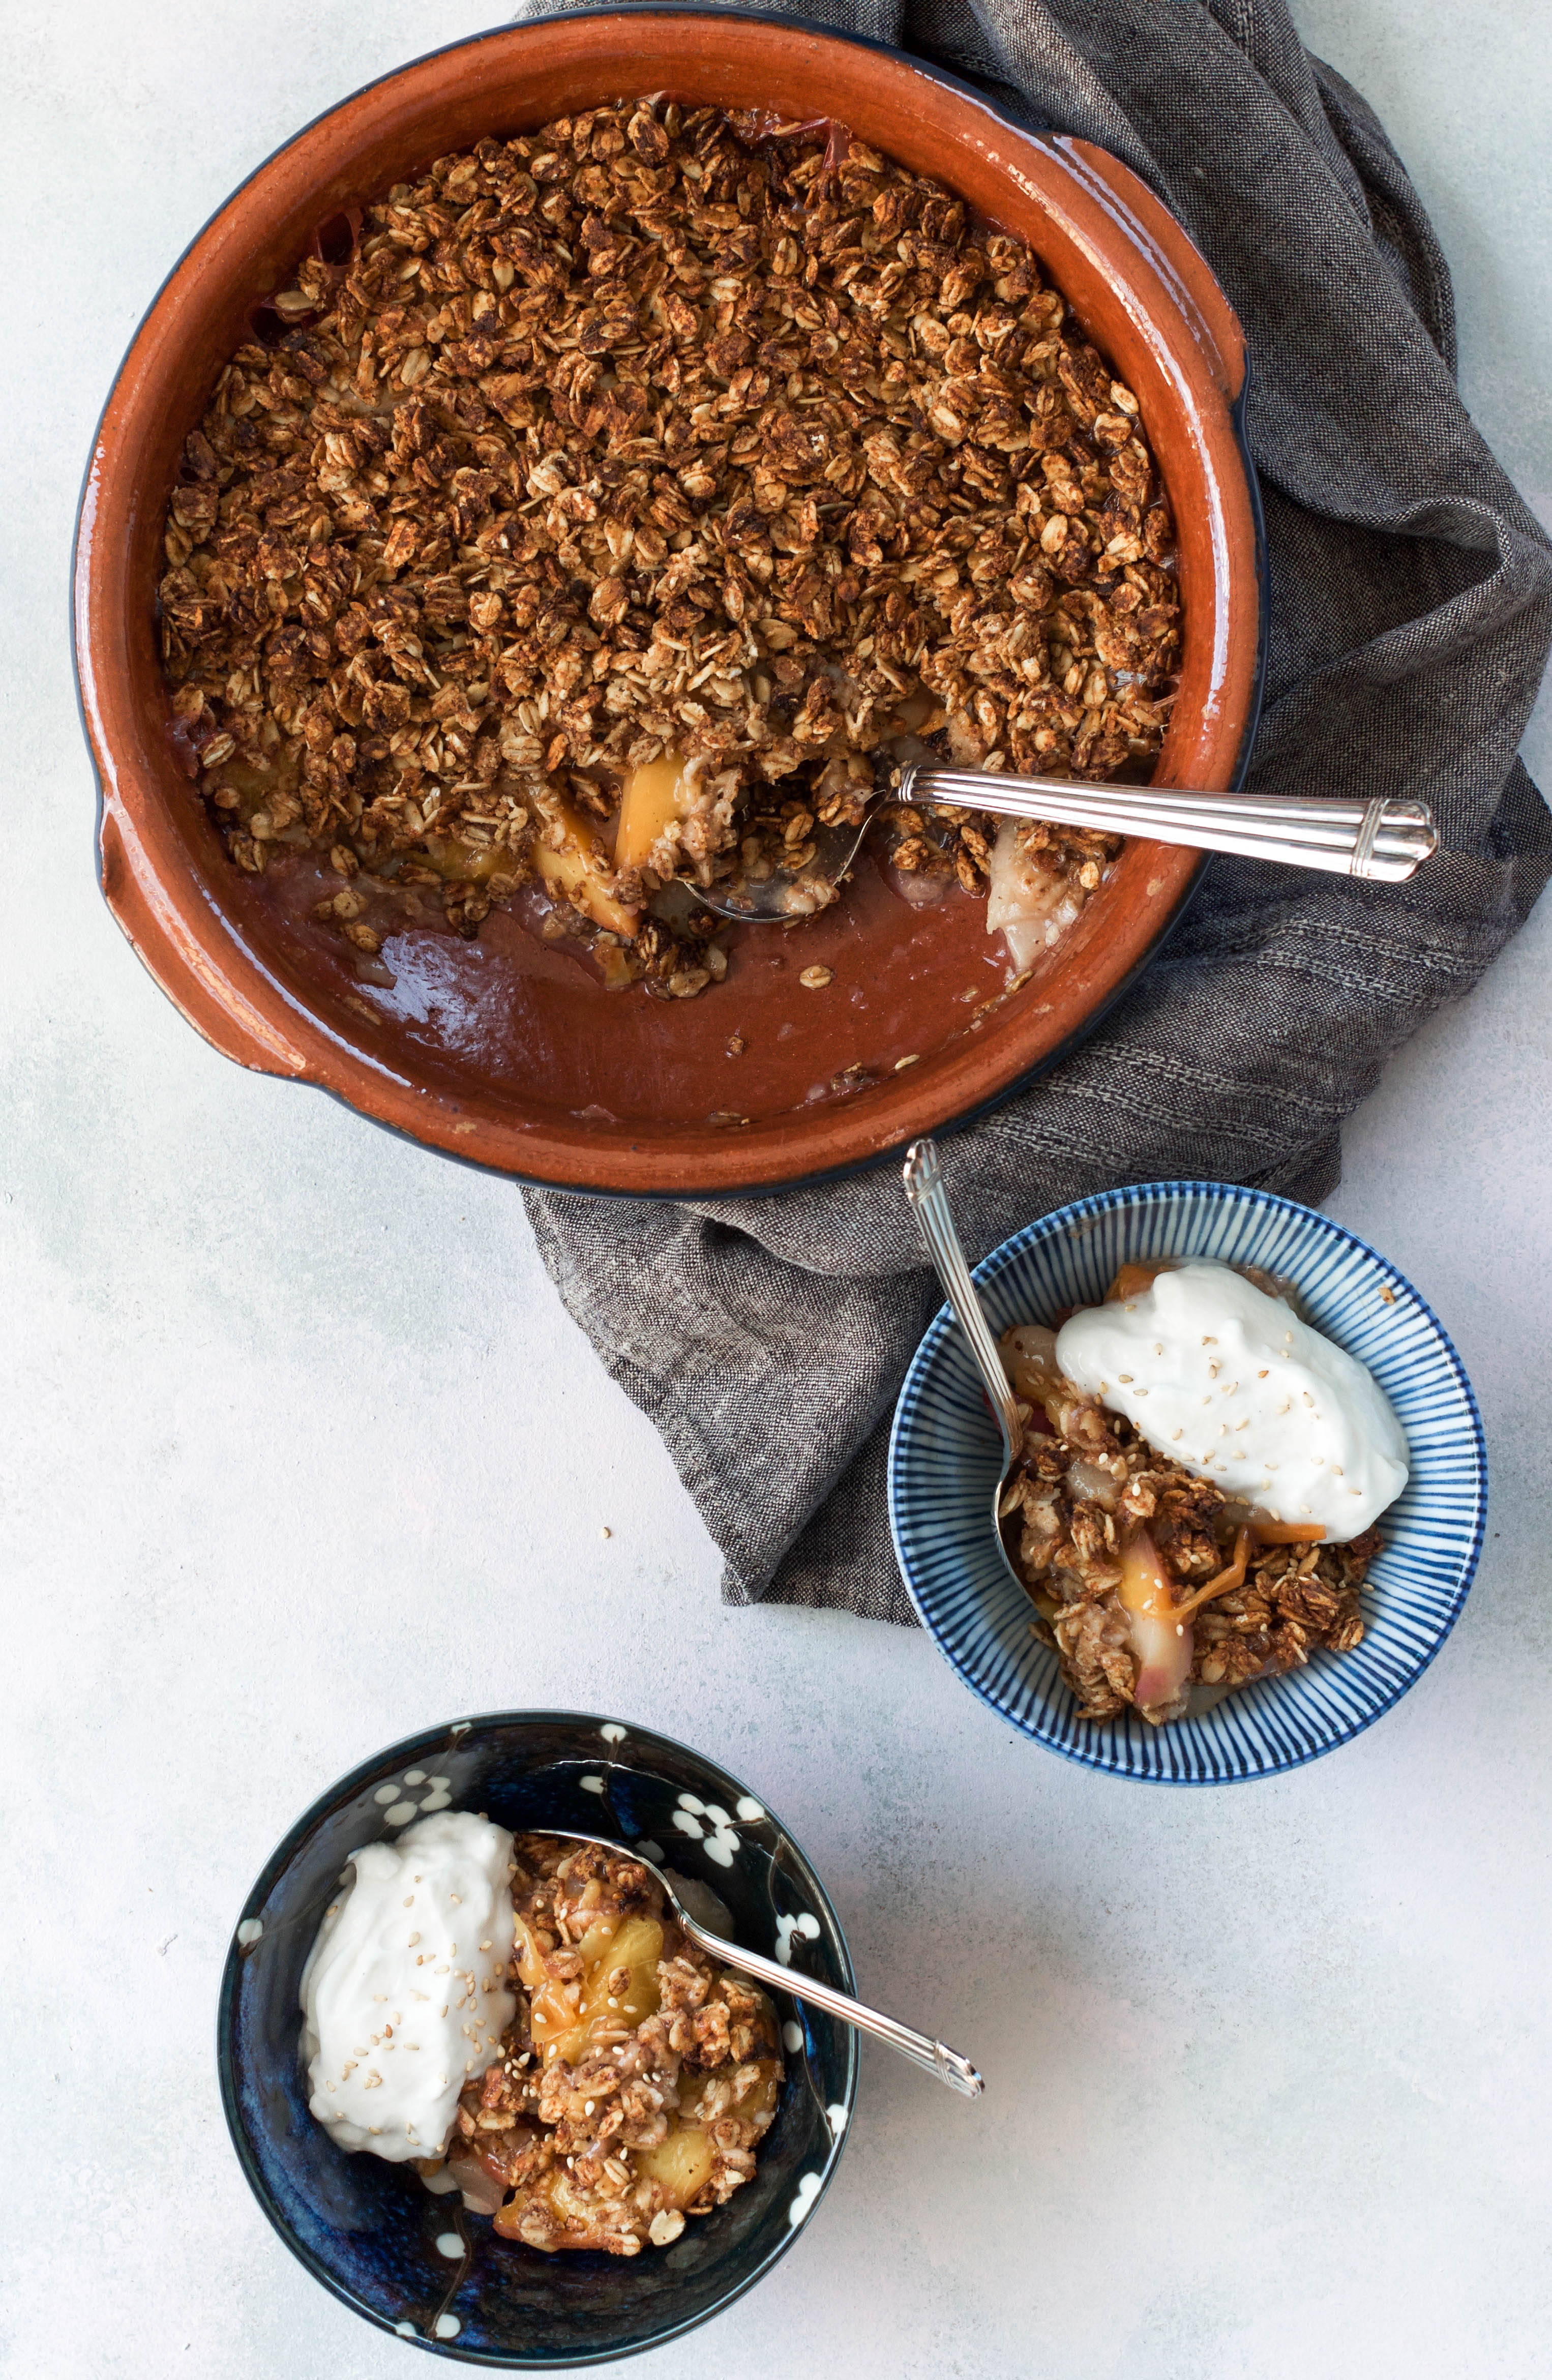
945 1454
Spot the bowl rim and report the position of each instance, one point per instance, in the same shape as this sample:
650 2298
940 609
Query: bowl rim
146 930
1059 1223
409 1749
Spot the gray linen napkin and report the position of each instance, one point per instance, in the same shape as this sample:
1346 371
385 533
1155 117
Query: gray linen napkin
1410 619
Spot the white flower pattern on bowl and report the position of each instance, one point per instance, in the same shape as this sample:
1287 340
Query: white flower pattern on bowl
400 1809
806 1927
718 1832
706 1822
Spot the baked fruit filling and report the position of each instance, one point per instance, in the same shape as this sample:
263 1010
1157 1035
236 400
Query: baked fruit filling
1158 1585
635 2082
607 512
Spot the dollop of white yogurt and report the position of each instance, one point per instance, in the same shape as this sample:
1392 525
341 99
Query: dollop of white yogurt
1230 1384
403 1994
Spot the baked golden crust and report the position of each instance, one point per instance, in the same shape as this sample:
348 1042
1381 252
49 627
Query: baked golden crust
635 2082
1087 1488
658 434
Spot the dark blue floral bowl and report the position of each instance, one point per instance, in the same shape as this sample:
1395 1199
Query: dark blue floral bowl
369 2231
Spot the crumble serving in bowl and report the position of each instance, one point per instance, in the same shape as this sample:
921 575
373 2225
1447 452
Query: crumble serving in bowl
428 2262
830 1042
946 1461
581 2073
1184 1527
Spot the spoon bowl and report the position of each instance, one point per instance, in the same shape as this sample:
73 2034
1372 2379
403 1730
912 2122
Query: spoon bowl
935 2057
1381 842
783 893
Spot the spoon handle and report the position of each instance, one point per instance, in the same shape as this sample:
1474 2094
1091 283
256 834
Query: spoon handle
924 1187
1383 841
935 2057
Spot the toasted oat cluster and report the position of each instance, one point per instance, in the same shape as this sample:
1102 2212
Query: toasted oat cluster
625 501
636 2083
1106 1532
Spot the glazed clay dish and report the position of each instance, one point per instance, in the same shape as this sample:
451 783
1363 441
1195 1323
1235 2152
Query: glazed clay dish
824 1043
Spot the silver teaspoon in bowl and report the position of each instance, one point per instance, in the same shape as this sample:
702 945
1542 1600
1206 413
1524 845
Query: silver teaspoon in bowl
935 2057
929 1201
1382 842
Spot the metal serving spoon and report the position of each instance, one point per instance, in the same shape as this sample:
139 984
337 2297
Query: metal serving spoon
1382 842
924 1187
934 2056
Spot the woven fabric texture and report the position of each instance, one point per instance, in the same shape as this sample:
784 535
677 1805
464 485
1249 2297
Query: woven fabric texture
1411 619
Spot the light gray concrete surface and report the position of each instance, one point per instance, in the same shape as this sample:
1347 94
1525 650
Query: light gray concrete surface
299 1455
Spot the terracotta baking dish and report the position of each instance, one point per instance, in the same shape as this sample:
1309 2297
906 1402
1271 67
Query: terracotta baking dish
504 1051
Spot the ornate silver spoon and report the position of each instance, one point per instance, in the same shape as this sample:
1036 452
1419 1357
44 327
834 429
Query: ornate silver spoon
1384 842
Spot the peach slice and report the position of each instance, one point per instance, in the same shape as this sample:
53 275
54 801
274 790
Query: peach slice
578 870
1161 1641
681 2165
563 2027
1028 904
657 796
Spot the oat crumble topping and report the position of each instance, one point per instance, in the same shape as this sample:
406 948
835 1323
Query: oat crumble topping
619 504
1260 1596
635 2082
